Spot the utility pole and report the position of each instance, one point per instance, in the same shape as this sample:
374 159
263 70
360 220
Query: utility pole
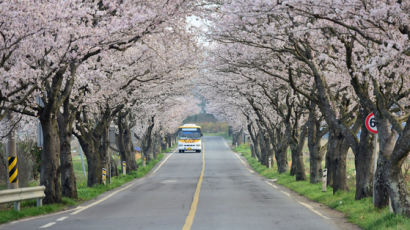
12 160
12 157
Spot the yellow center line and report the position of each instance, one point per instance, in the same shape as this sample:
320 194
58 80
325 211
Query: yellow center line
191 215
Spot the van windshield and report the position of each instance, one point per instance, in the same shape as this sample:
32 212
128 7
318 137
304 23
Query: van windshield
189 134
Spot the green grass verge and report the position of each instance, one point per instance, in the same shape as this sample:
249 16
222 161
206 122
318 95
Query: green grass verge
28 208
87 193
360 212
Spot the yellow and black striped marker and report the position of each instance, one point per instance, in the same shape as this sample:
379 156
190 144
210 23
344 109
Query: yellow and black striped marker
13 171
104 176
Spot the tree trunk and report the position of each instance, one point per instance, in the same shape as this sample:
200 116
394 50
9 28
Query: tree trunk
150 153
281 154
300 167
113 166
265 149
125 143
65 126
95 147
97 159
281 150
398 191
148 142
389 183
298 152
337 151
297 141
103 144
314 145
282 159
258 151
163 144
340 176
68 183
94 169
363 160
157 146
253 138
261 147
329 164
50 159
315 161
338 143
252 151
380 191
237 138
293 163
393 152
168 141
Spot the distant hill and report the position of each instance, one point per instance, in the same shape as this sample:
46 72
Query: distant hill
208 123
199 118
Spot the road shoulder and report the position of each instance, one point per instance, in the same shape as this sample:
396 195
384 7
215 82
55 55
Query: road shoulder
336 217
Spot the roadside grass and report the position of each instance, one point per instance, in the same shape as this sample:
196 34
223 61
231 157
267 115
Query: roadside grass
28 208
359 212
88 193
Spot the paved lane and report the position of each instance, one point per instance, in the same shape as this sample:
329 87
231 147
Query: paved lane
160 201
231 197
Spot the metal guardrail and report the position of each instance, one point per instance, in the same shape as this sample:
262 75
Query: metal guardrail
19 194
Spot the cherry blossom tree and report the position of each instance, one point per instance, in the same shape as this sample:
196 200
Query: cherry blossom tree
341 59
53 46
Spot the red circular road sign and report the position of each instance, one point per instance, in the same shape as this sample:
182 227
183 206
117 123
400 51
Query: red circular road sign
371 123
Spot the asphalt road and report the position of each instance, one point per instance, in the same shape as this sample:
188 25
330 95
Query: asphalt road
180 194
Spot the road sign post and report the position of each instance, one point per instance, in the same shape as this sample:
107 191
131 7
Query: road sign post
40 137
371 125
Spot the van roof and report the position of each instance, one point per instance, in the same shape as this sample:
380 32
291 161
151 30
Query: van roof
190 126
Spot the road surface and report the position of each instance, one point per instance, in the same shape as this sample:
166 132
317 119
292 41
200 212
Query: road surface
181 194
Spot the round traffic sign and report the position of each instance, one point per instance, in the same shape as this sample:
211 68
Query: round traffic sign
371 123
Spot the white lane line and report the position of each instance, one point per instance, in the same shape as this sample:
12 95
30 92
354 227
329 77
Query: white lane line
274 186
159 166
313 210
287 194
243 162
80 209
38 217
62 218
48 225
